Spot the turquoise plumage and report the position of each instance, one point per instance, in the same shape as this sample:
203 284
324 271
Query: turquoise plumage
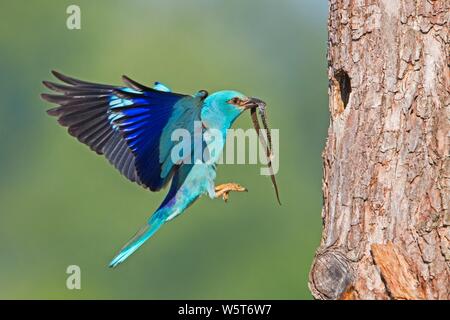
132 127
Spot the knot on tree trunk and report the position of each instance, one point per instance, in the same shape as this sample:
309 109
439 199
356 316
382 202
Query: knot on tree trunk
331 274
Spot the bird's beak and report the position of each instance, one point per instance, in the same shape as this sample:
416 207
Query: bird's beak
252 103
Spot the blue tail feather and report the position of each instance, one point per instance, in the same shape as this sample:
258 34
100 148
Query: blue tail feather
138 240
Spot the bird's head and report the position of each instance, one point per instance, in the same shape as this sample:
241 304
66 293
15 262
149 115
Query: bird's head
223 107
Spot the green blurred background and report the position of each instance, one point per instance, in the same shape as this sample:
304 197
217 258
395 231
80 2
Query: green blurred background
60 204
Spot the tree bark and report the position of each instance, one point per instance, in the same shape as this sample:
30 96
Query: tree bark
386 184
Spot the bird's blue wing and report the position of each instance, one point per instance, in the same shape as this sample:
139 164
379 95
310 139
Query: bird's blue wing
124 123
146 119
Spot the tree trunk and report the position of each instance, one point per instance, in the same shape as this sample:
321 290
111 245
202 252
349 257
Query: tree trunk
386 184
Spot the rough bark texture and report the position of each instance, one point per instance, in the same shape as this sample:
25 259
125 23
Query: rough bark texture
386 186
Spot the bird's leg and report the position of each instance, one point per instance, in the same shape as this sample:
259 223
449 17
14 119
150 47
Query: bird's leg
224 189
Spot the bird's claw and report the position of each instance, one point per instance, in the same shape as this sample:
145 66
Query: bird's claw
223 190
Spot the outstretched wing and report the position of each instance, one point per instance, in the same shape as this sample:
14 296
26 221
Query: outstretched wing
124 123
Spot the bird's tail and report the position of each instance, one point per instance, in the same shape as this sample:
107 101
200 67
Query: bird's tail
138 239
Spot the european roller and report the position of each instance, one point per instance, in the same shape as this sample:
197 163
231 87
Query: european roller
132 126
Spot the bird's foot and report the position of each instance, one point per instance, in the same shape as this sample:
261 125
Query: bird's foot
223 190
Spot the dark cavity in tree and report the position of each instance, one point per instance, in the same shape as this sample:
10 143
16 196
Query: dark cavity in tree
345 87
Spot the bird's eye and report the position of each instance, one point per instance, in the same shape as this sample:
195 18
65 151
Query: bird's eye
235 100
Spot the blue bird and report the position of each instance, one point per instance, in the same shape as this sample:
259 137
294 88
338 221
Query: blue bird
131 126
